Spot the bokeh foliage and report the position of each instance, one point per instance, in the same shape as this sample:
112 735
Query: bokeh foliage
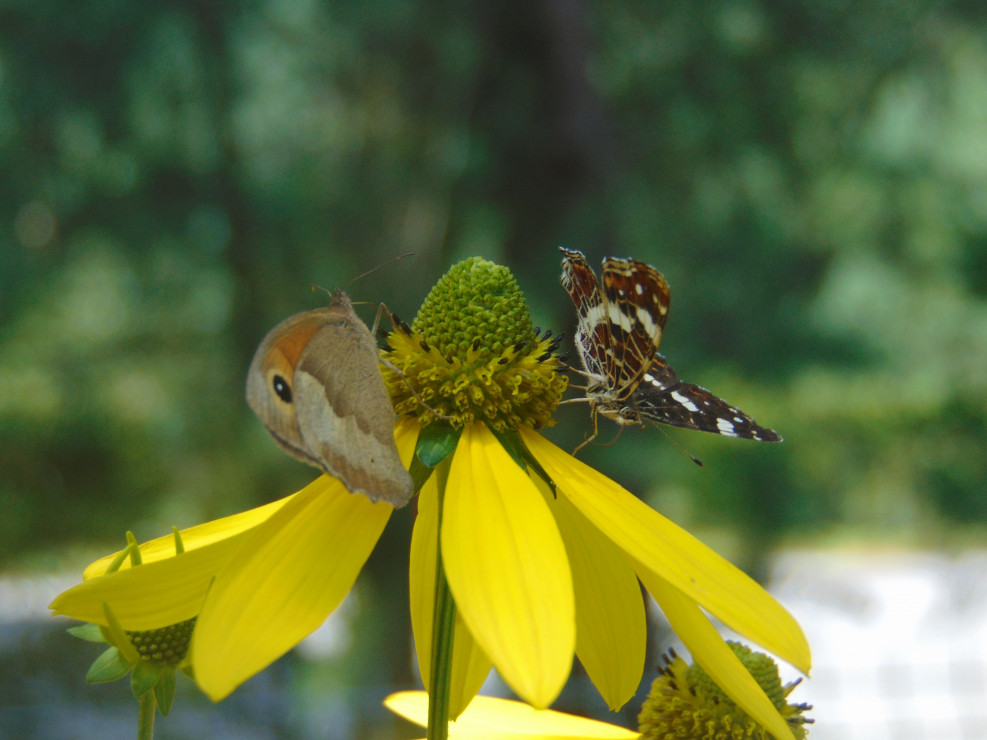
810 176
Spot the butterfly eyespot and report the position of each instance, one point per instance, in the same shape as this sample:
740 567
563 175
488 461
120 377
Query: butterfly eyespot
281 388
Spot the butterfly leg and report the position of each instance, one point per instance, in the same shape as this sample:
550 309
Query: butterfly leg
593 436
383 310
578 371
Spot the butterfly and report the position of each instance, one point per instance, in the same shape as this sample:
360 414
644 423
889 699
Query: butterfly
315 385
617 336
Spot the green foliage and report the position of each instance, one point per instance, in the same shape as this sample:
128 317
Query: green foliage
435 443
109 666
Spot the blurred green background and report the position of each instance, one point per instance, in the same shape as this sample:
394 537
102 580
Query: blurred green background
811 177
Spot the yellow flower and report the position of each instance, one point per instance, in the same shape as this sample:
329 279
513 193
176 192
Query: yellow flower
491 717
259 581
542 553
537 578
683 703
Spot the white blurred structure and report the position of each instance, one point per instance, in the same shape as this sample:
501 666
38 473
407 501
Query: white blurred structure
899 642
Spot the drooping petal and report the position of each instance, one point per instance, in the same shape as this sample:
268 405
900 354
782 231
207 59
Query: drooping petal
507 568
674 555
195 537
716 658
154 595
470 665
488 716
166 589
611 628
294 570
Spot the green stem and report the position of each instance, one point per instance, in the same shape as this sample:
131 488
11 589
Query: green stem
145 716
443 625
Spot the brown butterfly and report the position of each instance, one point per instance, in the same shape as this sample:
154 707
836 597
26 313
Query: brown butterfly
315 384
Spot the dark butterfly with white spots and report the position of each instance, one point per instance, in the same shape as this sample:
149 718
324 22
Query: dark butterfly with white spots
629 381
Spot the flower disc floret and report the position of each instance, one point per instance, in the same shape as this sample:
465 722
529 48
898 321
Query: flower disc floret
168 645
472 354
684 702
475 299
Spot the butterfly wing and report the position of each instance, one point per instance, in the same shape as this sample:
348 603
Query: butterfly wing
636 297
664 399
592 329
270 380
344 413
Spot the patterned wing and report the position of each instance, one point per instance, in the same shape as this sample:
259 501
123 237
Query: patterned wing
636 297
664 399
592 330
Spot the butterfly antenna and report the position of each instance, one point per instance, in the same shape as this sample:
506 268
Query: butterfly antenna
327 291
681 449
361 276
382 264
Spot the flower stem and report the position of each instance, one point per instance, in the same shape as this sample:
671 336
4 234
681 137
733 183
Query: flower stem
443 624
145 716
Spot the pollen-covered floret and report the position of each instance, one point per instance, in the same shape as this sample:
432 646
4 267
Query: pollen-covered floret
472 354
684 702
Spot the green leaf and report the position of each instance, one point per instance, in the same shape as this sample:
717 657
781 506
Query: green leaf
435 443
110 666
144 677
164 690
518 450
89 632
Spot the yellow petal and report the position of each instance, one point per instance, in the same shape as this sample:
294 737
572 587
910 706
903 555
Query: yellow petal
166 589
488 716
194 537
669 552
507 568
405 437
470 665
295 569
716 658
154 595
611 630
